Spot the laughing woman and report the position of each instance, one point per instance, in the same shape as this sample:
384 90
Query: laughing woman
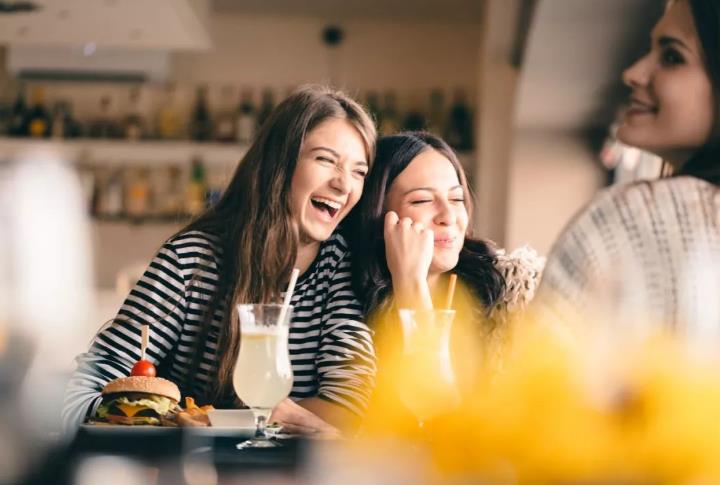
416 209
654 247
298 180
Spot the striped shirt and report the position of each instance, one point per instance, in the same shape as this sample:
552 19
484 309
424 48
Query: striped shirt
643 253
331 348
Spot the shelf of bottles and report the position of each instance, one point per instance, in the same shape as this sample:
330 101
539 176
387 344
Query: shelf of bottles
151 152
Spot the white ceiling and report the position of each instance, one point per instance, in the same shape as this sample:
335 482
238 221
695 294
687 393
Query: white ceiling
146 24
340 10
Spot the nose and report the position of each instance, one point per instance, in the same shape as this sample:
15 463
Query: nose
341 182
445 215
638 74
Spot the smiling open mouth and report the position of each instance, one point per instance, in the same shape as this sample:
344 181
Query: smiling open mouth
329 206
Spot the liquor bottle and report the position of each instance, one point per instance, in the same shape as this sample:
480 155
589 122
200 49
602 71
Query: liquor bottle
112 197
104 126
266 106
19 115
134 124
137 198
246 122
225 123
169 124
414 119
390 117
372 102
436 113
38 123
201 127
58 125
459 132
196 189
5 117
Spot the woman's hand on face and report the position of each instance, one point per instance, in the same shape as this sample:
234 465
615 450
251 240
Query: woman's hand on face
295 419
409 248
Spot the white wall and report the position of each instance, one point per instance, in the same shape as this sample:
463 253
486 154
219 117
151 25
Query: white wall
553 174
282 52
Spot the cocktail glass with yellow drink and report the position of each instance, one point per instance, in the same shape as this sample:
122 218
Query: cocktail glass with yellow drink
263 375
426 383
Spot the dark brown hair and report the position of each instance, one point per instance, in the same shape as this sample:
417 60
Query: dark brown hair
253 220
705 164
371 276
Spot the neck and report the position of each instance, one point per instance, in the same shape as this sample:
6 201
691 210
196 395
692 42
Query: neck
306 255
677 159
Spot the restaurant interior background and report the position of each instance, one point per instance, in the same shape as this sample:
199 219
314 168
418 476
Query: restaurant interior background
118 83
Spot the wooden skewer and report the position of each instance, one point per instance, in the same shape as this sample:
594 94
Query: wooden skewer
451 291
145 339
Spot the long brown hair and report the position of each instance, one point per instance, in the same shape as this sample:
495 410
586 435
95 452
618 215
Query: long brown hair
705 164
253 219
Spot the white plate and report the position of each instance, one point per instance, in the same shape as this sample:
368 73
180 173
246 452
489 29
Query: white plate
231 431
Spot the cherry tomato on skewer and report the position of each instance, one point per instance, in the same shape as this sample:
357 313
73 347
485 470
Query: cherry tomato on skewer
143 368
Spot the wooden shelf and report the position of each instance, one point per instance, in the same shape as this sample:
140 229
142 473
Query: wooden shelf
156 152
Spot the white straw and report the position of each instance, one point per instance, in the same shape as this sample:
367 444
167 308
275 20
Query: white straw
288 295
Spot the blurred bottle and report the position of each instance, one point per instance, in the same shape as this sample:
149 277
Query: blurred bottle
63 124
459 133
201 127
196 189
390 116
134 127
266 106
112 195
104 126
137 197
19 115
436 113
172 200
414 119
39 118
247 120
169 122
372 103
225 124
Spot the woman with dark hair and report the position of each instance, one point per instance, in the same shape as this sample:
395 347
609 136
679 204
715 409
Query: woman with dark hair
415 209
653 248
301 176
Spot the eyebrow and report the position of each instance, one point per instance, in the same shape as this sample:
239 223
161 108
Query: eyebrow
666 40
336 154
430 189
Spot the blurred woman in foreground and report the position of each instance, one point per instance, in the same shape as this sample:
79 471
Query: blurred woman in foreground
650 251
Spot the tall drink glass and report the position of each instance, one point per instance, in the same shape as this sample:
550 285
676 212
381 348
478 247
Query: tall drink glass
427 384
263 375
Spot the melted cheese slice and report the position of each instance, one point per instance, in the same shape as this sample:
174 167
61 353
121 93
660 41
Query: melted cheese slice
131 410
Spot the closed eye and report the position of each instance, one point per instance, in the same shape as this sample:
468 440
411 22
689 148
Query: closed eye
458 200
325 159
360 173
419 202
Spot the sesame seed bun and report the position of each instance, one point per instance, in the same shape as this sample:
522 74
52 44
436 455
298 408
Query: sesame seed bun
149 385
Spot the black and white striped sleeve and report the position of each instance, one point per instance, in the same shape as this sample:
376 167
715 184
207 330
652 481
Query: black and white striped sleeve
346 356
157 300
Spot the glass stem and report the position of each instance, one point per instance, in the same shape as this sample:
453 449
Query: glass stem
260 422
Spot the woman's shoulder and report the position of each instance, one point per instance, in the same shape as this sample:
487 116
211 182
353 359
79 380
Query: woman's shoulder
191 244
334 248
522 271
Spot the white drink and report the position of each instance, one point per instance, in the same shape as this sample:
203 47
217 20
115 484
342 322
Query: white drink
263 376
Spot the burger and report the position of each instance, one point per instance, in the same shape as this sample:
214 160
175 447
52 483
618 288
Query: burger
137 400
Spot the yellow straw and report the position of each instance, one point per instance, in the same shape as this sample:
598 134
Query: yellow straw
451 291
